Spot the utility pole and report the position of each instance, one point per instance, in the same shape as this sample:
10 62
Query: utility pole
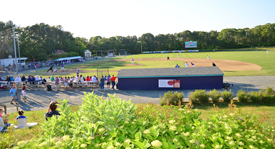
18 47
16 61
141 49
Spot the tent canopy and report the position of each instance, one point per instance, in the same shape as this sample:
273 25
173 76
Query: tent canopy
68 58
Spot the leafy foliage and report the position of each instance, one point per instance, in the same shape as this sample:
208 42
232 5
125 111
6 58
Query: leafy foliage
171 98
263 96
243 96
227 96
215 95
199 95
115 123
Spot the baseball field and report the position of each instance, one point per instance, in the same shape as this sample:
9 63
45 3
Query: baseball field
232 63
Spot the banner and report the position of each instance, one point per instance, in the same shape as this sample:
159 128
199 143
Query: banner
165 83
175 51
191 44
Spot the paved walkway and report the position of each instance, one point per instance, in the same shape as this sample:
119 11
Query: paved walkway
38 98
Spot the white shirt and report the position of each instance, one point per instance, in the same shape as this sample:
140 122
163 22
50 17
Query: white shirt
76 79
94 79
1 124
24 93
37 78
186 64
81 79
18 79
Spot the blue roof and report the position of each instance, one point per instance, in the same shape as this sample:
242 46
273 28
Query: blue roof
65 58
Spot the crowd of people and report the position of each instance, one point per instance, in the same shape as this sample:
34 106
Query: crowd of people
22 119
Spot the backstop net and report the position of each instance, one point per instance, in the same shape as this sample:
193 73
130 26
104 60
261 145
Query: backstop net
102 71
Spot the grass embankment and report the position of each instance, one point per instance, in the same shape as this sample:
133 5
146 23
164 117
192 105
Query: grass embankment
265 112
260 58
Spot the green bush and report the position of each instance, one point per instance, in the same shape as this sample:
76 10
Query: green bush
262 96
71 54
215 95
243 96
171 98
199 95
255 97
116 123
57 56
227 96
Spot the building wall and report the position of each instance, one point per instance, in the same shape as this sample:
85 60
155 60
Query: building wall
207 82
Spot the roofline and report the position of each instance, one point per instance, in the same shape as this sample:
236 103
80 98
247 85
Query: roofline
182 76
14 58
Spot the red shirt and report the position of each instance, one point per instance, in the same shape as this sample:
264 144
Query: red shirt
113 79
87 79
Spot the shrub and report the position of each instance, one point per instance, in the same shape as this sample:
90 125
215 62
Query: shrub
227 96
243 96
175 98
199 95
116 123
70 54
215 95
255 97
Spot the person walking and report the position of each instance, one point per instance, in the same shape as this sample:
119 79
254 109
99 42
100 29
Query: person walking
102 82
23 89
13 94
113 79
56 83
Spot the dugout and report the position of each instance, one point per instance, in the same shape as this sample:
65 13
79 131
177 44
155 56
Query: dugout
170 78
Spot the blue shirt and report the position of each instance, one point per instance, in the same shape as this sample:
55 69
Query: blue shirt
192 64
177 66
20 116
13 91
12 79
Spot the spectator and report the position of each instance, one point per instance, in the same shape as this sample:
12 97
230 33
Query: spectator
37 79
52 110
81 79
77 79
102 82
94 79
65 83
23 79
56 83
1 79
29 79
12 79
13 94
8 79
113 79
108 81
32 80
71 83
21 119
88 78
44 81
23 88
52 78
177 66
18 79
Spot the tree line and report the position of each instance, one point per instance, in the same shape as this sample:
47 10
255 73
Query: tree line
39 40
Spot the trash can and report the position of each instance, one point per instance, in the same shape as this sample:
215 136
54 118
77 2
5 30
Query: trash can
49 87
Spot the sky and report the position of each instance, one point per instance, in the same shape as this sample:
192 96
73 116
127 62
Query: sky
107 18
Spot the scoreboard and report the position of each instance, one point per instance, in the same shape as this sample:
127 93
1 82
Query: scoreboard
191 44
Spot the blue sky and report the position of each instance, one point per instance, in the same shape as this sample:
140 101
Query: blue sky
88 18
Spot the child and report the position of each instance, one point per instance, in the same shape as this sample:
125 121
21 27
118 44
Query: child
24 96
65 83
5 120
21 119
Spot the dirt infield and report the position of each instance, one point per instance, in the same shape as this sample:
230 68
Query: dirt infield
224 65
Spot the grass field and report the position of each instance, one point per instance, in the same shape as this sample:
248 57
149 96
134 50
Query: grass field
261 58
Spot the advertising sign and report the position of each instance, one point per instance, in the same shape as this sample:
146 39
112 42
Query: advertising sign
191 44
165 83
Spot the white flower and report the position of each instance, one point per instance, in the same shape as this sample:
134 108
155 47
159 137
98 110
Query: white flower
269 140
181 109
101 129
231 114
112 118
261 141
161 125
240 148
156 143
238 135
253 137
20 143
59 143
128 141
173 128
251 146
231 143
218 146
133 123
126 122
97 145
66 138
186 134
202 146
175 140
225 116
144 123
210 123
251 140
192 141
127 148
83 145
42 144
93 125
172 121
147 131
118 144
90 138
241 143
110 147
228 138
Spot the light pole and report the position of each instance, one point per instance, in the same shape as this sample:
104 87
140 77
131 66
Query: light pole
18 47
15 50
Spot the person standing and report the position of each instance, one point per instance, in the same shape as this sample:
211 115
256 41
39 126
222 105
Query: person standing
102 82
77 72
108 81
52 78
23 89
24 95
208 58
62 67
132 61
113 79
186 64
168 59
124 57
178 55
56 83
65 83
13 94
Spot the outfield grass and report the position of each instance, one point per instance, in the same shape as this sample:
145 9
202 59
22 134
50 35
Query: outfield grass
266 61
